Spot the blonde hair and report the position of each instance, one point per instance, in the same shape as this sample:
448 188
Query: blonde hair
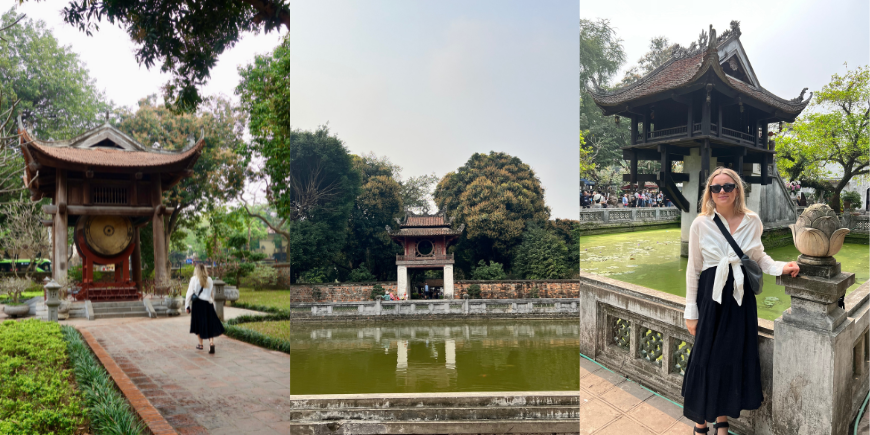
707 204
202 275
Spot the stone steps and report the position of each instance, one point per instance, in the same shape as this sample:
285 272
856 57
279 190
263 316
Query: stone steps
111 310
444 413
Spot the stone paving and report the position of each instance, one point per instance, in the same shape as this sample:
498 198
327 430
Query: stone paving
611 405
242 389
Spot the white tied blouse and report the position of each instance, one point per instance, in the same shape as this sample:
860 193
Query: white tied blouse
193 287
709 248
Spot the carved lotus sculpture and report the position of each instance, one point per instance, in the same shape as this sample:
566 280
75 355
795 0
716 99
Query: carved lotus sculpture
817 232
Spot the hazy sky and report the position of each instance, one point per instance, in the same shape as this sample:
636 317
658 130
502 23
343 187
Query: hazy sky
429 83
792 44
109 56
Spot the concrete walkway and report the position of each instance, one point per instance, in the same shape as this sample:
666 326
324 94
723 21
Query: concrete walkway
612 405
242 389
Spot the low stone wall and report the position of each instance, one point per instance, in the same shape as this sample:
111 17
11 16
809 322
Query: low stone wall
618 220
507 289
344 292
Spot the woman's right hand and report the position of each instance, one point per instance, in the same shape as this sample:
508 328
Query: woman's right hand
692 326
188 310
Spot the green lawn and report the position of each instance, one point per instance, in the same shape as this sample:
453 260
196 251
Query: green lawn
24 296
270 298
278 329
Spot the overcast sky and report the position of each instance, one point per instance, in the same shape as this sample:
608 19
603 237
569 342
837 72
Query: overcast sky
109 56
429 83
792 44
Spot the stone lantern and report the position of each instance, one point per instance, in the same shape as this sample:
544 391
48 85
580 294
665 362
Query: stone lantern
52 292
814 339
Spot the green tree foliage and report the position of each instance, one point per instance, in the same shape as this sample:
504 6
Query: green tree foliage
833 132
264 93
57 97
314 186
361 274
568 230
417 193
587 166
660 51
262 276
379 201
542 255
494 195
488 272
185 38
218 174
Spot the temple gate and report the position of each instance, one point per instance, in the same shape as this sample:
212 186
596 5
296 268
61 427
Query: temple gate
425 239
107 186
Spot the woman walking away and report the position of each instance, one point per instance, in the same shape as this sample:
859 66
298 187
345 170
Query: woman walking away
204 321
723 375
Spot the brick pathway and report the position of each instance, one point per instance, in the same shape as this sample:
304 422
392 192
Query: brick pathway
612 405
242 389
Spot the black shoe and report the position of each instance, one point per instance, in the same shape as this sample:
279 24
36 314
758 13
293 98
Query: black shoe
198 347
704 429
211 349
718 425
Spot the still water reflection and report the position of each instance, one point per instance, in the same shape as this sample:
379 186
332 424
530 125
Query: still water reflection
435 356
652 259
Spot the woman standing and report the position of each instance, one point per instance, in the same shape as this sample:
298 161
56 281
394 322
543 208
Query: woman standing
723 374
204 321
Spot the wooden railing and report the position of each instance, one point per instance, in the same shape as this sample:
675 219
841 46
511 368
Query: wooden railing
674 131
738 135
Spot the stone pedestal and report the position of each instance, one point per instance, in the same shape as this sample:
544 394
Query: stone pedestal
219 298
52 293
402 281
448 281
813 352
691 166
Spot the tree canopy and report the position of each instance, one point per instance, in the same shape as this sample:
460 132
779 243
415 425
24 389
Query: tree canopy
494 195
185 38
833 132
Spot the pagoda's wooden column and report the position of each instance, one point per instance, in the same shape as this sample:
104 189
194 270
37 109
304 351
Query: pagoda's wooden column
764 134
136 260
690 123
633 129
705 114
645 124
59 266
157 228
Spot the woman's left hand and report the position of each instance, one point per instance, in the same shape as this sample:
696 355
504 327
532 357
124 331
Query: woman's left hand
791 268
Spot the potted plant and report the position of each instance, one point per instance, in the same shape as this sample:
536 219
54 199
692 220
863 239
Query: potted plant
173 299
13 287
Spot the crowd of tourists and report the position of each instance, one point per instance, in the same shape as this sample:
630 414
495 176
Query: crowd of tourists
639 198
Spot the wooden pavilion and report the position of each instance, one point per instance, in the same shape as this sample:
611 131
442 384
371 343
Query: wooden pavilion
107 186
705 107
425 239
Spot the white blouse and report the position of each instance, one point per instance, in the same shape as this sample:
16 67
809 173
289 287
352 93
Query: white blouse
709 248
193 288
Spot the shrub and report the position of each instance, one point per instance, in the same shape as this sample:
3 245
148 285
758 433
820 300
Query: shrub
262 276
491 272
313 276
74 274
108 410
38 394
474 291
853 197
541 255
186 272
534 293
378 292
361 274
13 287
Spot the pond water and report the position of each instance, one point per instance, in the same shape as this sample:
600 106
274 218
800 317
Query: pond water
435 356
652 259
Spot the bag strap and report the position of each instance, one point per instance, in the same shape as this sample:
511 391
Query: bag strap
728 236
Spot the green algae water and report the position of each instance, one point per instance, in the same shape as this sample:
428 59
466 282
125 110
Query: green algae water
652 259
435 356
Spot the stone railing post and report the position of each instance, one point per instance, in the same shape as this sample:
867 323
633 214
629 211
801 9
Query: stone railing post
811 384
378 307
52 291
605 215
219 298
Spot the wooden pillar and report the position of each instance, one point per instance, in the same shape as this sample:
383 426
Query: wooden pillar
719 120
645 124
765 177
755 130
666 164
633 129
705 116
705 161
633 176
690 122
764 134
136 260
59 266
157 227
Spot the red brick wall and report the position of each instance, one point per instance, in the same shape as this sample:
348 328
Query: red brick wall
354 292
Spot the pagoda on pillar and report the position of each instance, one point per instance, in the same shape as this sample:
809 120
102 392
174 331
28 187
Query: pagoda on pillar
424 239
105 185
705 107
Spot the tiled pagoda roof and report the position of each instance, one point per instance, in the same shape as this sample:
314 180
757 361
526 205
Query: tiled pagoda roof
425 225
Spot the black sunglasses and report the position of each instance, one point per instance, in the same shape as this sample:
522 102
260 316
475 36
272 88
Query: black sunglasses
715 188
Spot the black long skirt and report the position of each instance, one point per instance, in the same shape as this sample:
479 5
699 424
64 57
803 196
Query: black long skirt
723 374
204 321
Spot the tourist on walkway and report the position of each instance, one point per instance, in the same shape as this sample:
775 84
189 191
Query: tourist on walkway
723 374
199 302
624 200
596 200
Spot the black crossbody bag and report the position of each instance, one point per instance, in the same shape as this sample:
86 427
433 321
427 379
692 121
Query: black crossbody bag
753 271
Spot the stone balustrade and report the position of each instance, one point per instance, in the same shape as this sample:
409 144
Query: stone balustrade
640 333
438 307
629 214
